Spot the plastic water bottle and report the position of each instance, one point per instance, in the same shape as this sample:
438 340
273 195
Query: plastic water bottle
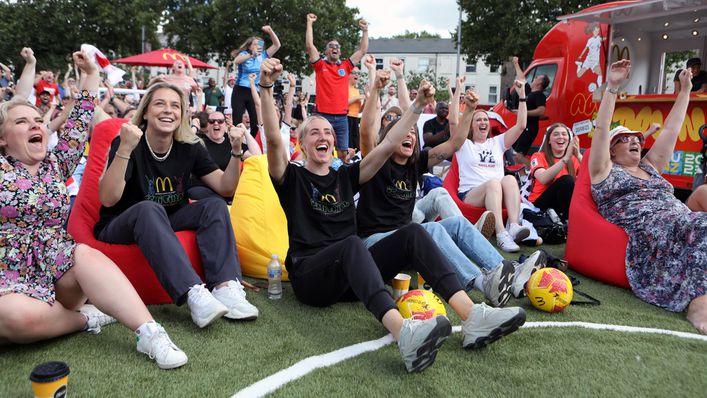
274 278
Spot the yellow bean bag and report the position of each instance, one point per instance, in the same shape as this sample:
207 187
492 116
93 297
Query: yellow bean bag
258 220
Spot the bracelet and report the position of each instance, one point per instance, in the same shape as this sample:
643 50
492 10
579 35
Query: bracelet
237 155
399 77
612 90
415 109
522 99
121 156
270 86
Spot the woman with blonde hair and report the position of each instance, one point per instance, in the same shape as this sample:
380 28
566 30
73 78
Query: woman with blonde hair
144 200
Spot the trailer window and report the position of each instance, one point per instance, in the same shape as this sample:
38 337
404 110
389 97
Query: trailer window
549 70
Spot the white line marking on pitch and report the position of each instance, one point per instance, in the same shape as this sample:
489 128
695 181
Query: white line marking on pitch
307 365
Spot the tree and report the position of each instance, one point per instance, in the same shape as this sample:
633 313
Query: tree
413 80
417 35
496 30
216 27
55 29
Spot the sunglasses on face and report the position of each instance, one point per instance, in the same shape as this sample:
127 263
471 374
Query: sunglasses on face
629 138
332 45
391 117
219 121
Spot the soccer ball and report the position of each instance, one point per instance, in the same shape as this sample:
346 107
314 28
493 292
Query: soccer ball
420 304
549 290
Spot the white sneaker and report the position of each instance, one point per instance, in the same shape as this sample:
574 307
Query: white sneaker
420 340
506 243
518 232
158 346
486 324
203 306
524 271
95 318
233 297
486 224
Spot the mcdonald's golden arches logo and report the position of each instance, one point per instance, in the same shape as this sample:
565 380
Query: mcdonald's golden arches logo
161 184
174 56
402 185
329 198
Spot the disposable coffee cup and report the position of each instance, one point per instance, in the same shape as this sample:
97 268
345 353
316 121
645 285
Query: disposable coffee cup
50 379
401 285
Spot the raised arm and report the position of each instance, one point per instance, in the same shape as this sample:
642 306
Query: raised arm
600 161
363 45
510 136
65 82
398 67
454 97
275 40
256 98
662 150
289 99
370 117
312 51
270 70
459 131
27 80
378 156
225 182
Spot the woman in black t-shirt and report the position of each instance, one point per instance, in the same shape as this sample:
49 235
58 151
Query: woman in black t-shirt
326 261
143 193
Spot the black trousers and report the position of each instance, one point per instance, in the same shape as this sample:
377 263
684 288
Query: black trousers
147 224
557 196
346 270
353 132
242 100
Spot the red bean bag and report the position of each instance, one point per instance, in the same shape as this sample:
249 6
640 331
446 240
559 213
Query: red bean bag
84 216
595 247
451 184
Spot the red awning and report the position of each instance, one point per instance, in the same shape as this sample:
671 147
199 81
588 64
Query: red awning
163 57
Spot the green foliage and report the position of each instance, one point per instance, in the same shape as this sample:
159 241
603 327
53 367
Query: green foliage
413 80
55 29
417 35
205 28
496 30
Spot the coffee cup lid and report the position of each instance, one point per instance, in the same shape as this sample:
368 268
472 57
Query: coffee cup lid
49 371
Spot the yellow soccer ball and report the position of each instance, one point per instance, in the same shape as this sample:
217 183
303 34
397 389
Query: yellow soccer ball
549 290
420 304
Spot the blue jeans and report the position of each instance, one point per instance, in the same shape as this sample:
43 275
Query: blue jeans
340 124
463 245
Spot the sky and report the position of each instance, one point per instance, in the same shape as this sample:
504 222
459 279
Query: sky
434 16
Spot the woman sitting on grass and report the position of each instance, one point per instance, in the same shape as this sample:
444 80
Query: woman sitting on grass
481 169
328 263
553 170
45 277
387 201
666 256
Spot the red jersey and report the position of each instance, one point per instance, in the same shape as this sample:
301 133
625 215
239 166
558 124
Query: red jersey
332 86
52 88
538 161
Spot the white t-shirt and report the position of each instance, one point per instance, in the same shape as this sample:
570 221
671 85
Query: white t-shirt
227 92
388 102
284 134
479 163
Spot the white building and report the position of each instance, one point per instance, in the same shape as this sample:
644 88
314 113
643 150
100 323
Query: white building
439 57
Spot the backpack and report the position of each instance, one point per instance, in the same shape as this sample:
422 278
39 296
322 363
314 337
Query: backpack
551 232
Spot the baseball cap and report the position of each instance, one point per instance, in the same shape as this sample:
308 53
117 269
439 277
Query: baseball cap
621 130
231 77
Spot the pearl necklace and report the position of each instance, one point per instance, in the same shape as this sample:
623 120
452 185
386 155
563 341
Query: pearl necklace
159 158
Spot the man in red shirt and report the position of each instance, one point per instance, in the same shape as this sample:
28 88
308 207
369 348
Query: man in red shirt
332 76
45 82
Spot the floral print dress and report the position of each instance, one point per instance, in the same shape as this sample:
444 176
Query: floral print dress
35 249
666 256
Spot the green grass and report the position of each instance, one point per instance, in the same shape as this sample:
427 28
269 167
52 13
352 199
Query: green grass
229 356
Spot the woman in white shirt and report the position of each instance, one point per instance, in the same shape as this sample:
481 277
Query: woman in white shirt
481 173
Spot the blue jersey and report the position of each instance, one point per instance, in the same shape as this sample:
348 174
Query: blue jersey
252 65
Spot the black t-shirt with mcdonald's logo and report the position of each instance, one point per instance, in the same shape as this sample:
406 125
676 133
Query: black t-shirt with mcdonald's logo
388 199
320 210
164 182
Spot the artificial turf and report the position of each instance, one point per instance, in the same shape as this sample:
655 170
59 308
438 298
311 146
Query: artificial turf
229 356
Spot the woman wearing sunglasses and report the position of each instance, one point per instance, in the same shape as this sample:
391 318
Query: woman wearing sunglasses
666 256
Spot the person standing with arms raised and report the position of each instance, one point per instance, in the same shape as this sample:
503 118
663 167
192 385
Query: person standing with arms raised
332 81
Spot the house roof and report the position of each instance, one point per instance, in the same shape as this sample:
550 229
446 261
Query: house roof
411 46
